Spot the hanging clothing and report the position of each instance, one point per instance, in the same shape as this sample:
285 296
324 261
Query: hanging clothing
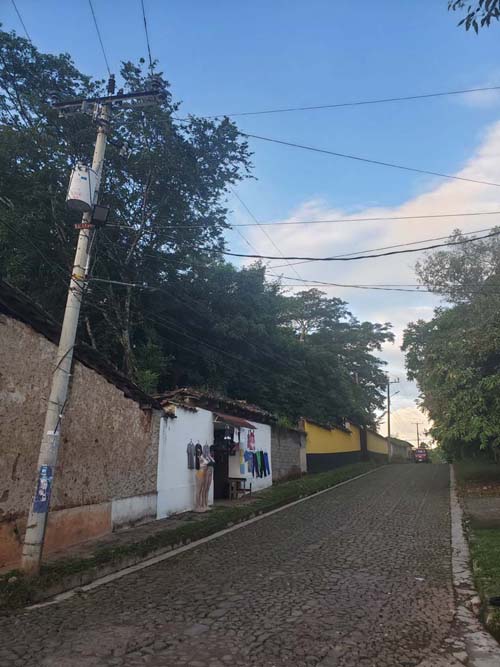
242 462
248 456
251 440
255 467
262 470
236 436
190 455
266 463
206 451
198 452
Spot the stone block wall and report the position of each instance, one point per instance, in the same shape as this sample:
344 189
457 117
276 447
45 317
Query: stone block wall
108 450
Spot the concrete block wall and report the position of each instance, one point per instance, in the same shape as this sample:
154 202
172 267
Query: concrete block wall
286 446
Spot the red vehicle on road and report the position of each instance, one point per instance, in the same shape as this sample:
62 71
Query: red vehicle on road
421 455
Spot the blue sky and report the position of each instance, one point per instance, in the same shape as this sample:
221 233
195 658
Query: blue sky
224 56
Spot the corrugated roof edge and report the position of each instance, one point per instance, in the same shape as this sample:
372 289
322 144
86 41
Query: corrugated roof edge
21 307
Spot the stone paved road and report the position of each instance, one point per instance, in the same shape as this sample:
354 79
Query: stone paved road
357 576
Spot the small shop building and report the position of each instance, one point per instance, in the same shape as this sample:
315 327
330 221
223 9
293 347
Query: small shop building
235 435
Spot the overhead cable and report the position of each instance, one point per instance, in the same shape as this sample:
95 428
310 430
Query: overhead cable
100 38
279 223
339 258
21 20
390 247
380 163
268 236
147 37
338 105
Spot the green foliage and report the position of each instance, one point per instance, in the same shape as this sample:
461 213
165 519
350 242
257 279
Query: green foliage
205 323
478 14
455 357
485 547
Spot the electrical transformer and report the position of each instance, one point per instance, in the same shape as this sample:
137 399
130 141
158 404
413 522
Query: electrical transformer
81 189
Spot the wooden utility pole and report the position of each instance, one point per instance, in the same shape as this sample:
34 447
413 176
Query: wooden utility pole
417 424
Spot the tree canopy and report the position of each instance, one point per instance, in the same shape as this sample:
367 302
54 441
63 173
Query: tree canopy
478 14
455 357
162 304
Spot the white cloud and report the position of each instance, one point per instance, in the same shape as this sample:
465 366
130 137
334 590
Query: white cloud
482 99
338 238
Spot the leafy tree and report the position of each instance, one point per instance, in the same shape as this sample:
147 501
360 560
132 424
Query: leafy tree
460 272
477 14
163 305
455 357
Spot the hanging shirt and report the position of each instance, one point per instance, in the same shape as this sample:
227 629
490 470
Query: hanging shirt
251 440
190 455
206 451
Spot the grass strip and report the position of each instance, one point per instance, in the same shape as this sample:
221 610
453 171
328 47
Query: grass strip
485 554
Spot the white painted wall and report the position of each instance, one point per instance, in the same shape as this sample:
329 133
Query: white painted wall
263 442
132 510
176 483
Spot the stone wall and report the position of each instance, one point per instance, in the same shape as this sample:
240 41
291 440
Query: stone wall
286 447
109 445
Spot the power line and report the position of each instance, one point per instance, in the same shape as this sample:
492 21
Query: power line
21 20
390 247
147 36
339 258
280 223
380 163
100 38
338 105
263 230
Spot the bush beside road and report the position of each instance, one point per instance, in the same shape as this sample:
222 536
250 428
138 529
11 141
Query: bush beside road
478 484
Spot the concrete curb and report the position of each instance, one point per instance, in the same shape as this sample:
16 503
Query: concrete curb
126 567
481 648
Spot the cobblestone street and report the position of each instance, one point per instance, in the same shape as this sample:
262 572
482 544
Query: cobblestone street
359 575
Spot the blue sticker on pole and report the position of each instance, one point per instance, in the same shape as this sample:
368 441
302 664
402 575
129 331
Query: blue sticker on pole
43 489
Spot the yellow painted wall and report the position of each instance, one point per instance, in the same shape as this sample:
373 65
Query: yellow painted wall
376 443
331 441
